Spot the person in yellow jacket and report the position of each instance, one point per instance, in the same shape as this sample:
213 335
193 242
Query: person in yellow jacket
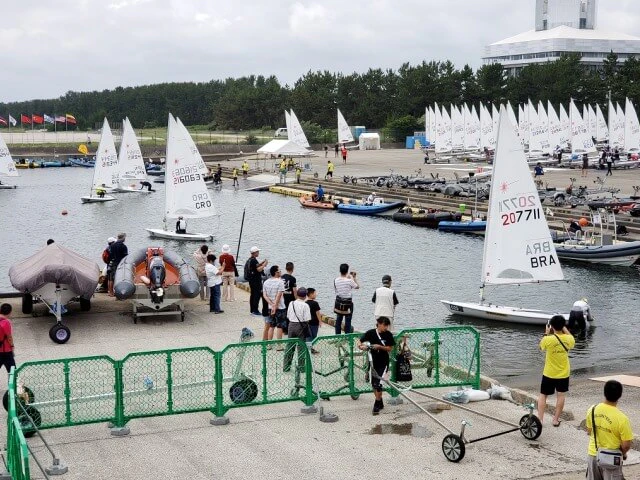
330 168
557 342
234 174
245 169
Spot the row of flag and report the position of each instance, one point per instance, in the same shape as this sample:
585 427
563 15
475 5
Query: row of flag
36 119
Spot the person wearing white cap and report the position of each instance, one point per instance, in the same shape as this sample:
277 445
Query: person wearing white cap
253 274
228 274
579 315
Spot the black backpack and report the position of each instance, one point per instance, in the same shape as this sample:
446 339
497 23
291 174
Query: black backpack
247 270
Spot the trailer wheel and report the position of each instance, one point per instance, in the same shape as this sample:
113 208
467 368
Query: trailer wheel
380 182
355 396
243 391
182 317
85 304
60 333
530 427
453 448
27 303
5 398
354 180
27 426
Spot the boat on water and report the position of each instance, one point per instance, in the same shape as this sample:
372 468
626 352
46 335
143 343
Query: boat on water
375 206
83 162
309 202
517 248
105 173
463 226
186 194
7 165
54 163
55 276
131 169
26 163
599 244
424 218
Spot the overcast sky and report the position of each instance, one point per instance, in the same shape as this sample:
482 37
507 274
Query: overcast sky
50 47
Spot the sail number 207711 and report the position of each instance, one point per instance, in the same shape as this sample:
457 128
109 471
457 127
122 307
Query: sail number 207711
520 216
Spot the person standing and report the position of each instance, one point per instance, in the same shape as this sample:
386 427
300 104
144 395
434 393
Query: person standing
283 171
181 225
290 286
344 154
343 307
234 175
330 168
273 294
245 169
557 342
255 280
200 258
609 162
585 165
6 338
117 251
326 151
426 156
298 315
228 274
298 173
379 341
385 300
316 316
337 149
214 281
610 429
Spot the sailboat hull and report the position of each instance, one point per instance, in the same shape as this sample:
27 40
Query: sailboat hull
90 199
182 237
131 190
500 313
7 187
623 254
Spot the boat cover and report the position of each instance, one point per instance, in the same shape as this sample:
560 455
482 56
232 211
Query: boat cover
56 264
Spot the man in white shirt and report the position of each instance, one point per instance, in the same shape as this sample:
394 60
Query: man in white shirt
181 225
385 300
298 315
214 279
579 316
273 294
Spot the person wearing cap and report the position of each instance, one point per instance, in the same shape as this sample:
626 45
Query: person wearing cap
228 274
385 300
117 251
181 225
299 315
371 198
255 269
200 258
579 315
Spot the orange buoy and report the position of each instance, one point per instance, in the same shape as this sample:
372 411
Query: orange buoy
583 222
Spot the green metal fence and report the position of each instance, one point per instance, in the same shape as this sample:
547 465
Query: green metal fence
17 451
78 391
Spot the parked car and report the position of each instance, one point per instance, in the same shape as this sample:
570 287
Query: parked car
281 132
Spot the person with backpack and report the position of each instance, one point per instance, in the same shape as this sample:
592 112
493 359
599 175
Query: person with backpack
253 274
117 251
106 258
6 338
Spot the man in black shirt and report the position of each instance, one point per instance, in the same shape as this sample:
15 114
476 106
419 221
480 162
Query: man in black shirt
117 251
255 281
290 286
379 342
316 316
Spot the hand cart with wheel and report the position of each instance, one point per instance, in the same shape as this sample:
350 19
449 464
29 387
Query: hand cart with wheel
243 389
453 445
347 363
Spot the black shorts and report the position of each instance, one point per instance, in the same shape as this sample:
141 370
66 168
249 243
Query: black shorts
549 386
377 371
7 361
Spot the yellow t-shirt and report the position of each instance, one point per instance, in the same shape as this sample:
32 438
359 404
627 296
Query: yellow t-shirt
330 167
556 363
612 427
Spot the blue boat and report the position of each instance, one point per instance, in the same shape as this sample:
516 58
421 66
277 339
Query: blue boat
83 162
54 163
470 226
378 207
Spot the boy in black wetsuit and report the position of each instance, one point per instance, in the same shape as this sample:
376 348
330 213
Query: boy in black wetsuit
379 341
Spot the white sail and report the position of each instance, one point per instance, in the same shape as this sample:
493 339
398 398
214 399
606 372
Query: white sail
287 122
295 132
517 246
540 132
106 170
202 168
602 132
443 132
7 165
631 128
344 132
593 122
457 128
432 126
512 119
471 128
555 129
536 132
565 126
616 126
186 194
487 135
581 141
130 161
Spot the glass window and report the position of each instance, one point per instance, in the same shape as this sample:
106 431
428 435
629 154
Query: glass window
544 24
583 23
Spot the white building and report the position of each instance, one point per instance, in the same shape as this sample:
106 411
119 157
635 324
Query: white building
562 27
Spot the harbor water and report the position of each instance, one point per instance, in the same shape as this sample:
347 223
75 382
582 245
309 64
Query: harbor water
426 265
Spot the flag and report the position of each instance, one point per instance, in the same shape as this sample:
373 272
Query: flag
83 149
70 118
3 121
48 119
37 118
60 119
12 121
25 119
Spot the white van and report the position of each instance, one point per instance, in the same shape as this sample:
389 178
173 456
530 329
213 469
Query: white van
281 132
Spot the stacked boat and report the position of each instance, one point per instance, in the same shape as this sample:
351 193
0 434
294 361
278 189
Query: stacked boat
420 217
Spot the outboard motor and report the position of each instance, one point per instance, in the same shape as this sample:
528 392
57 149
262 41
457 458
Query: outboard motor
157 274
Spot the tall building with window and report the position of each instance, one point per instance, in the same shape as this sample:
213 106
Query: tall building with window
561 27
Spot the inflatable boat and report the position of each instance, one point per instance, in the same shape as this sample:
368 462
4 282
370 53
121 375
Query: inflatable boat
377 207
471 226
310 203
156 280
423 218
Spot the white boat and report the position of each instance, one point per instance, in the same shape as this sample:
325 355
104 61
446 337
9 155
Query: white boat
186 194
130 162
7 165
518 248
105 173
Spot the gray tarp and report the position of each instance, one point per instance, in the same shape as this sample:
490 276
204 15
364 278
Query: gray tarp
56 264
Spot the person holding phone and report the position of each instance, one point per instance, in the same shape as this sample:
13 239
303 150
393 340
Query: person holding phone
343 307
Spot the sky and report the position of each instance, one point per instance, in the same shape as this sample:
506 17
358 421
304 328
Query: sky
50 48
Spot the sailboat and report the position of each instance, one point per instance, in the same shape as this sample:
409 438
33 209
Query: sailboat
344 132
7 165
105 173
202 167
517 247
295 131
130 162
185 193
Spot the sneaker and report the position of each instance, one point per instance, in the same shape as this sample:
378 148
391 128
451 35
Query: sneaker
219 311
256 314
381 405
376 408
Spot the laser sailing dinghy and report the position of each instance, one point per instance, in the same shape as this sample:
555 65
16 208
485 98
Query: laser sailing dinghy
105 173
130 162
185 193
517 247
7 165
